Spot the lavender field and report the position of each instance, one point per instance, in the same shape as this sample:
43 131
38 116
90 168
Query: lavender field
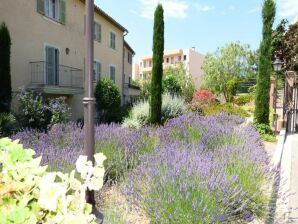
213 169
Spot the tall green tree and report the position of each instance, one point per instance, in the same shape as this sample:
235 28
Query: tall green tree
5 83
285 44
265 65
224 68
157 70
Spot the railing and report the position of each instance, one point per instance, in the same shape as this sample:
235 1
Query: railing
44 74
131 86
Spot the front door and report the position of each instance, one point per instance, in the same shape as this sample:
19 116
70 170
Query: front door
52 66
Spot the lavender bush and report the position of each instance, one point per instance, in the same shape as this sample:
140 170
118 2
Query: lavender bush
211 169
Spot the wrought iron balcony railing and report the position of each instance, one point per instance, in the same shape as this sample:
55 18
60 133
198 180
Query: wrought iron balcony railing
45 74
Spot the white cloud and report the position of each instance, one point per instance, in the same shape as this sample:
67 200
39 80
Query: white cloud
203 8
288 9
172 8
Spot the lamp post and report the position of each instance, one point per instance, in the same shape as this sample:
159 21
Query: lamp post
89 100
277 66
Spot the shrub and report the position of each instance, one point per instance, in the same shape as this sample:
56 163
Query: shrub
211 169
30 194
171 84
8 124
226 108
34 111
243 99
172 106
60 112
204 97
107 97
5 76
266 132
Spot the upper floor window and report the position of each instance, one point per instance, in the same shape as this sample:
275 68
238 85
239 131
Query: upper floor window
185 57
145 64
97 32
96 71
167 60
179 58
112 40
54 9
113 73
129 57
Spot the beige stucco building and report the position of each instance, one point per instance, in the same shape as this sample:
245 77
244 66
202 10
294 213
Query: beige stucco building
191 59
48 48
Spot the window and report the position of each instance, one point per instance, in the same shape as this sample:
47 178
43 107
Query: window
179 58
141 64
113 73
129 57
97 32
52 65
185 57
150 63
145 64
172 60
112 40
54 9
96 71
167 60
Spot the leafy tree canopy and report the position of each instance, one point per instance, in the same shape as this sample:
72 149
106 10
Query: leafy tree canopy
285 44
224 68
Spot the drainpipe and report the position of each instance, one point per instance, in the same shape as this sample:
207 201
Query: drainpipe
123 77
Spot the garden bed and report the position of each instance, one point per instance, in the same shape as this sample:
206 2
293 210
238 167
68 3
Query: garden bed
212 169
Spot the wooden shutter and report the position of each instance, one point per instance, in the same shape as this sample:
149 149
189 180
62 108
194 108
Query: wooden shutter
62 12
112 73
98 68
99 32
50 65
40 6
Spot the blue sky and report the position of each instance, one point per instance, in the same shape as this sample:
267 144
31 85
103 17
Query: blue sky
204 24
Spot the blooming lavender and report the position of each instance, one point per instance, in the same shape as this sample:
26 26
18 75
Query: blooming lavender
192 170
205 170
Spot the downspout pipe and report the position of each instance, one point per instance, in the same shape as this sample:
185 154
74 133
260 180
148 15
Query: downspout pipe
123 75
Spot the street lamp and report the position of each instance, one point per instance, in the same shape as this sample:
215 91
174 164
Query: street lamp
277 66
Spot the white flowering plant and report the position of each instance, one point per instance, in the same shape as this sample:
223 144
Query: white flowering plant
30 195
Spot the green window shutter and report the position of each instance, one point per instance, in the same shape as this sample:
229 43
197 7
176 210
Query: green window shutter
112 73
99 32
62 12
99 71
40 6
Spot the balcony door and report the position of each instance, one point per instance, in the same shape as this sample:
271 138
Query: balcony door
52 65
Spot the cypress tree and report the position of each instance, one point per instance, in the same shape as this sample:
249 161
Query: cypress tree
5 79
157 70
265 65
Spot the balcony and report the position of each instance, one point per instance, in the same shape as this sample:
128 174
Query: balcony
131 90
56 79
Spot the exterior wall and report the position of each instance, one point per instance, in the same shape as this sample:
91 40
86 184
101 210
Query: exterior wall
195 67
189 57
31 32
131 93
